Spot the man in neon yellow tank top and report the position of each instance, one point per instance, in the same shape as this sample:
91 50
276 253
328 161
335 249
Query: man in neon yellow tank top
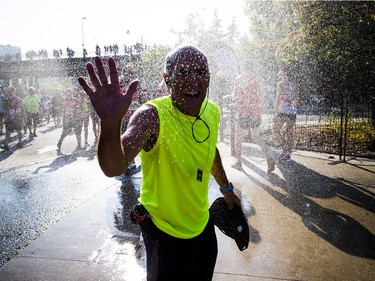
32 103
176 137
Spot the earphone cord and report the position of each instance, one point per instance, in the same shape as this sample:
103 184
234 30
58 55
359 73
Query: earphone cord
192 129
204 122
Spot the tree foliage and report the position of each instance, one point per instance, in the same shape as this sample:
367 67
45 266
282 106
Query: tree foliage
218 43
328 45
341 36
150 67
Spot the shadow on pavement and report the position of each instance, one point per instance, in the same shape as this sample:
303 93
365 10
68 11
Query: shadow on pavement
48 128
300 183
66 159
13 146
128 197
129 233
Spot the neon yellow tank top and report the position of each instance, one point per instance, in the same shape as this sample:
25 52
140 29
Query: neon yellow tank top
176 200
32 103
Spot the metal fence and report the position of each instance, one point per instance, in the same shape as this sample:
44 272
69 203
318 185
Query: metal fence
343 131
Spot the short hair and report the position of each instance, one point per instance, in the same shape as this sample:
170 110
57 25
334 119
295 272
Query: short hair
31 90
172 56
10 89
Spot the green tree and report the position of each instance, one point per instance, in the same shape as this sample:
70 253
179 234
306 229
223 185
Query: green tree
326 44
341 36
150 67
233 33
267 27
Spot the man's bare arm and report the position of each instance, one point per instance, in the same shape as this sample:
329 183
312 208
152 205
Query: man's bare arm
220 176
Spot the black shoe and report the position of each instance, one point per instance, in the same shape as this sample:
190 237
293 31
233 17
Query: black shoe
271 166
5 147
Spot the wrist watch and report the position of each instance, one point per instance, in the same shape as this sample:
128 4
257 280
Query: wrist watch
227 189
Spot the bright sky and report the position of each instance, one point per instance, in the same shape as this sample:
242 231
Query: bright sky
55 24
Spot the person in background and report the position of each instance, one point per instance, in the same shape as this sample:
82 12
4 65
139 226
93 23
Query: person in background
125 80
85 115
45 106
71 118
95 124
1 109
13 109
32 105
56 107
285 114
248 98
176 136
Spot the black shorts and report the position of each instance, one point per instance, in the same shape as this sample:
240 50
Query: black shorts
170 258
32 118
285 117
249 122
15 125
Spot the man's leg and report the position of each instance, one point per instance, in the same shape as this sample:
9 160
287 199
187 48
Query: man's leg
259 140
239 131
170 258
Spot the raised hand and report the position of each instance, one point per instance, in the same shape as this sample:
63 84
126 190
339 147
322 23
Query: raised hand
106 96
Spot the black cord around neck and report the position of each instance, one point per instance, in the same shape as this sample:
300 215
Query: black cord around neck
192 129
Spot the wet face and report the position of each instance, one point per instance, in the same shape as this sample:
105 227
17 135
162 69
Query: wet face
189 80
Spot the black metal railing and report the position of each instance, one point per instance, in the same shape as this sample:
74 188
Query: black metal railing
347 130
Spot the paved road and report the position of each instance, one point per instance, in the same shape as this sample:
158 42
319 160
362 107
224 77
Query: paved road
312 219
38 187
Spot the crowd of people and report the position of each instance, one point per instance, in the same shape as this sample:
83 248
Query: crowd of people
23 113
109 50
247 99
20 112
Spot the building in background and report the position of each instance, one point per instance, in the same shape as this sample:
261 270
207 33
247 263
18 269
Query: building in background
8 52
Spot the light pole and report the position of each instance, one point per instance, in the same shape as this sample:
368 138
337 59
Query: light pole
83 42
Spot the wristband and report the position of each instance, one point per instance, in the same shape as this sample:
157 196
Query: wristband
227 189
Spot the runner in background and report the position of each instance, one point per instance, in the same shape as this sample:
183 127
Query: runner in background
32 104
285 114
248 97
13 116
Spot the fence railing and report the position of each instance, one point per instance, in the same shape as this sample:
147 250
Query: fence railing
343 131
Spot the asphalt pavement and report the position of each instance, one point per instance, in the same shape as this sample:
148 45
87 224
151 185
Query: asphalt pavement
312 219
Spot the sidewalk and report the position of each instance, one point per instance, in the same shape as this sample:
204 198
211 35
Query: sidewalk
313 219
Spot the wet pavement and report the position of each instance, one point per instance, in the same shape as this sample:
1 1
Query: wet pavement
312 219
39 187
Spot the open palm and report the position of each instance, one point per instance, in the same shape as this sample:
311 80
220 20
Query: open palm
106 96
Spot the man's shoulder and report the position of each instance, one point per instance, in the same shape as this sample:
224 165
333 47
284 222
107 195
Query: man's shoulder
164 101
147 110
